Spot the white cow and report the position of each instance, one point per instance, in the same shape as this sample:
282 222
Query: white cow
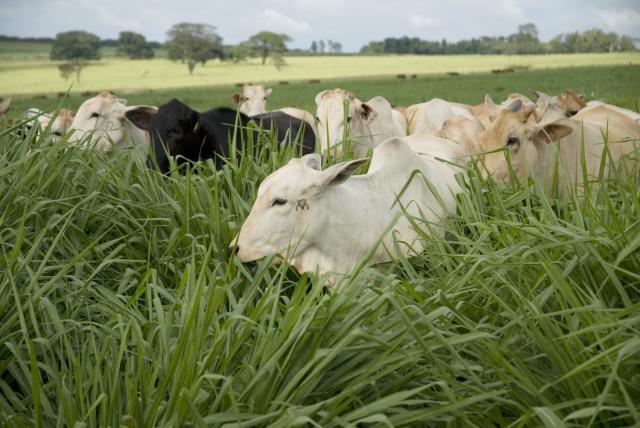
365 124
629 113
428 117
462 130
549 108
253 101
553 151
327 221
103 122
62 120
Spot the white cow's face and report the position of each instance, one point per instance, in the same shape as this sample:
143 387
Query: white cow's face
339 114
253 100
291 213
101 122
61 124
513 142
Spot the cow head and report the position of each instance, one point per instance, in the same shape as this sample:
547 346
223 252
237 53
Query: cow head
515 139
101 122
253 99
339 113
463 130
292 213
567 104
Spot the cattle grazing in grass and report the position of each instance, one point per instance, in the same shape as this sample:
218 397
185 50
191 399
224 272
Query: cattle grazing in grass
428 117
253 101
178 130
58 122
515 144
364 124
104 123
567 104
326 221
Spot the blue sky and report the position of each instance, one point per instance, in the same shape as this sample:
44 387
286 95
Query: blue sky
351 22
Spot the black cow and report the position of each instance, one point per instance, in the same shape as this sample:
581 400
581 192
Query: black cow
179 130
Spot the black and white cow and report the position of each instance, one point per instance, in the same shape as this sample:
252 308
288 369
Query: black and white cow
178 130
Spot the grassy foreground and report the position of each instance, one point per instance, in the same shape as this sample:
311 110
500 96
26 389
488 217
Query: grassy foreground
119 307
41 76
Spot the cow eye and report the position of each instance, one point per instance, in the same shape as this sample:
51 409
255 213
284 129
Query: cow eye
571 113
513 141
348 119
317 119
57 133
95 115
277 202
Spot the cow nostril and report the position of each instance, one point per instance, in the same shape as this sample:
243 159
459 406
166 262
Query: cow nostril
232 250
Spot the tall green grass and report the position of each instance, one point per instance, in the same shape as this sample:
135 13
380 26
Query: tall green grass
119 306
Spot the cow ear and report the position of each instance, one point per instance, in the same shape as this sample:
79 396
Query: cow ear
320 95
582 97
367 112
268 91
312 161
542 104
140 116
515 106
236 98
489 104
552 131
536 94
123 101
339 173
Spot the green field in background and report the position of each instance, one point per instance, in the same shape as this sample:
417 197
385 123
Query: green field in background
41 76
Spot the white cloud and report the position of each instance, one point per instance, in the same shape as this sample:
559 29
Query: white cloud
620 21
419 21
323 7
509 9
275 21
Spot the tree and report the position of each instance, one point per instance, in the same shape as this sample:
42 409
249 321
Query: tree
321 46
266 43
334 47
193 43
526 41
134 46
77 48
314 47
237 53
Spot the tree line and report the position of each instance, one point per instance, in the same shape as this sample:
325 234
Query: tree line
195 43
524 41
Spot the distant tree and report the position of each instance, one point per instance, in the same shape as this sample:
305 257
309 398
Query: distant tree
77 48
193 43
266 43
314 47
237 53
134 46
526 41
321 46
334 47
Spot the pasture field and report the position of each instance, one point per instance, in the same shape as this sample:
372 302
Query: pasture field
40 51
120 307
616 84
33 76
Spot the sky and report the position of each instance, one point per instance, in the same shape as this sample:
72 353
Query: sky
351 22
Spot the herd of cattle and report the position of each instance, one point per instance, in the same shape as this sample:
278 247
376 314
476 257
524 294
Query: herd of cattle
326 221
